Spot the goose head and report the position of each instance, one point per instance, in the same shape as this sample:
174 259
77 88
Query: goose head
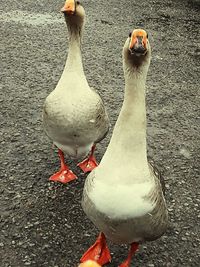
89 263
74 14
137 50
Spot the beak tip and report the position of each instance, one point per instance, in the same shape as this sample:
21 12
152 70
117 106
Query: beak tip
69 7
63 10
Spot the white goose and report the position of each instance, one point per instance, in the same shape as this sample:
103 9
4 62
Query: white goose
123 196
74 116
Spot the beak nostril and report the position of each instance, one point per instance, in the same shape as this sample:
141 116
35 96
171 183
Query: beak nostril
138 49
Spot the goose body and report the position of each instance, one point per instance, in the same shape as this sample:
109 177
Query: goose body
74 119
123 196
128 213
74 115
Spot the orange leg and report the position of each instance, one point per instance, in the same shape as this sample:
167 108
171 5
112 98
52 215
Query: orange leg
127 262
90 163
98 252
64 175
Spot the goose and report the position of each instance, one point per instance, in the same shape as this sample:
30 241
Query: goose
74 115
123 196
89 263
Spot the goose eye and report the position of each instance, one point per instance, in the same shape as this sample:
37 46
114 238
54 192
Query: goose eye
78 3
130 34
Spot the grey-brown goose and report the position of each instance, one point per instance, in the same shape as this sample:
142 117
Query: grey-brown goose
123 196
74 115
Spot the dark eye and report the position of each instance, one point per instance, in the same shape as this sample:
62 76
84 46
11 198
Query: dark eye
130 34
78 3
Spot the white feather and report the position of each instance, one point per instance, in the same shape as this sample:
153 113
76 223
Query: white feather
121 200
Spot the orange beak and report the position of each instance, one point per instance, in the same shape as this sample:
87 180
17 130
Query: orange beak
137 36
89 263
69 7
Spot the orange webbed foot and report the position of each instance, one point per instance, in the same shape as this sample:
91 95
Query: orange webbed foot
63 176
98 252
88 165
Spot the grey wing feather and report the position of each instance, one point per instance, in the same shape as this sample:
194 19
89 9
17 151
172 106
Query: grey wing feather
102 117
158 174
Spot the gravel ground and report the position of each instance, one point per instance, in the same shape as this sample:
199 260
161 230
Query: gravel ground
42 223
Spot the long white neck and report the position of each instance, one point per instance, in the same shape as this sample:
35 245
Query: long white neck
130 129
132 120
127 149
74 58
